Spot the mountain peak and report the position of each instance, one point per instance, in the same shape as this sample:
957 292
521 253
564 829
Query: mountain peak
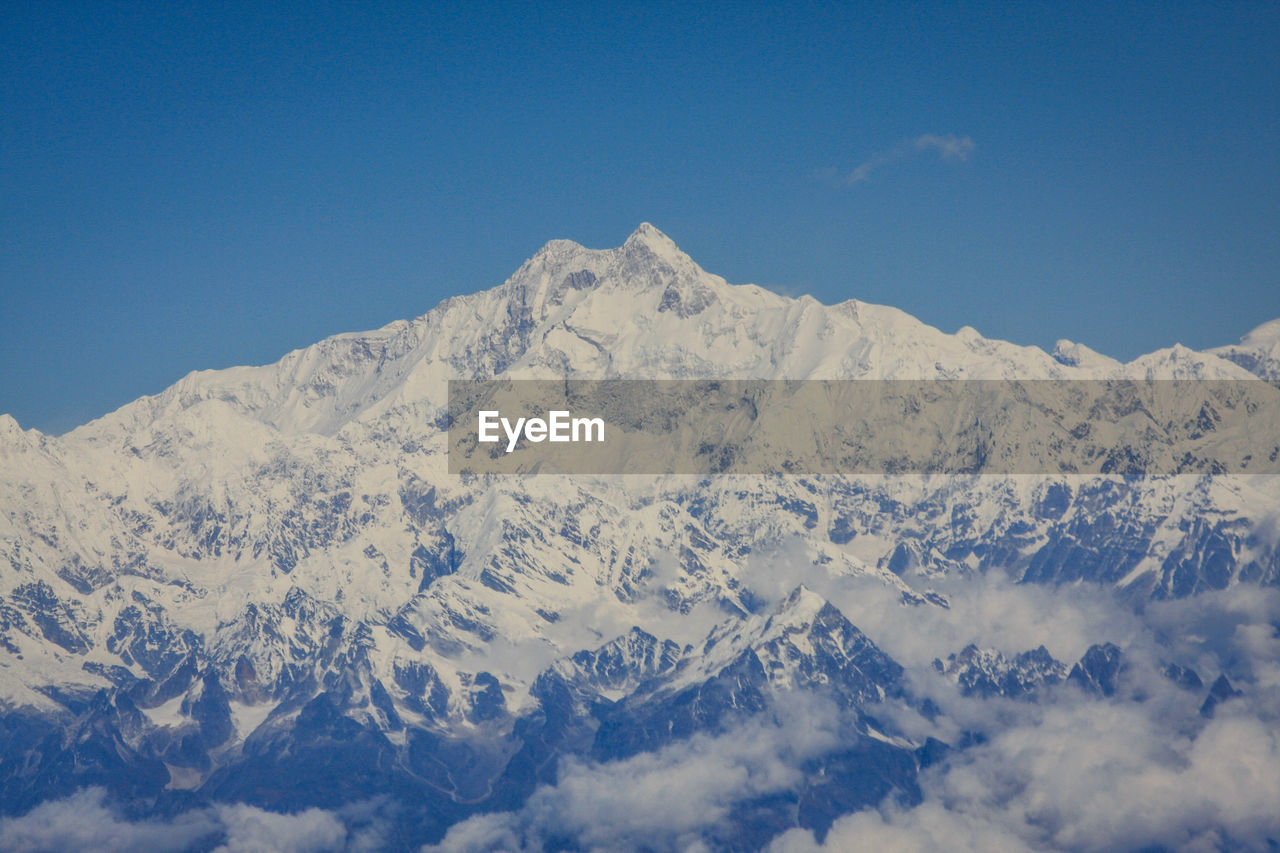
1264 337
1078 355
649 237
10 429
801 604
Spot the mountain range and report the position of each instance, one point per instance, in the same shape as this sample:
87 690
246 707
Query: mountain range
263 587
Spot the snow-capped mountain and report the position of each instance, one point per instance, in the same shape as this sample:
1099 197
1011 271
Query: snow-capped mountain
267 572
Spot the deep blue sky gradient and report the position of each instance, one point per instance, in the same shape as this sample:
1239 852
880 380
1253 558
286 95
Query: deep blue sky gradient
186 186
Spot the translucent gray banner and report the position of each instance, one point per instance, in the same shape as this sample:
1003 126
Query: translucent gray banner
1130 428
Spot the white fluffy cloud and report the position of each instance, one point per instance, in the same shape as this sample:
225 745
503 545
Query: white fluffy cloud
252 830
924 829
85 821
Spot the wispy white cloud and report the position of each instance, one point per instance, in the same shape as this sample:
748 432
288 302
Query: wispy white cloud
949 147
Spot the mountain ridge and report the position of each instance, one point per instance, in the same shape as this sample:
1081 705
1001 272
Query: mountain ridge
542 284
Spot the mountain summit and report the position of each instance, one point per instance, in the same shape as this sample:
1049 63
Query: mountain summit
657 242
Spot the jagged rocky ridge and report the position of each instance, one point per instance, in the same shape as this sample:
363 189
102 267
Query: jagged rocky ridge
265 573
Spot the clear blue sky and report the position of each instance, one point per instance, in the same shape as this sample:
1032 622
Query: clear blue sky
185 187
